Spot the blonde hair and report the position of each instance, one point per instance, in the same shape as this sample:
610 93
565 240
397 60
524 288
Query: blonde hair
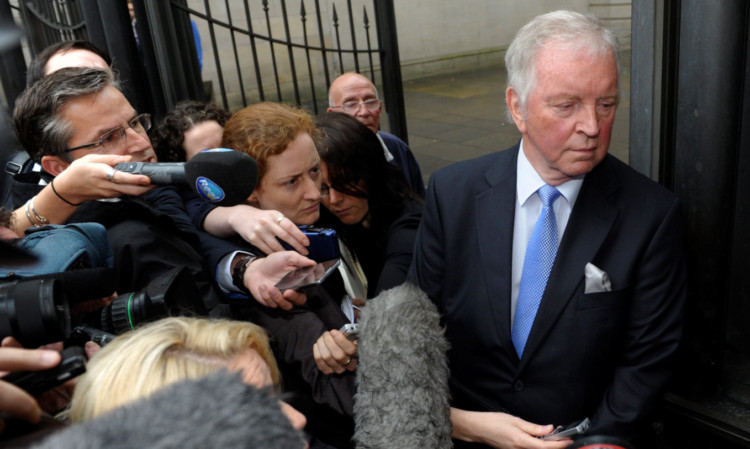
146 359
266 129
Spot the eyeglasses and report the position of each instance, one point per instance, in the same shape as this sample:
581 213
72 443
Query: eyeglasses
115 138
352 107
325 190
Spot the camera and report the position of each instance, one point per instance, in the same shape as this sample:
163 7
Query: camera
72 363
35 311
324 243
172 293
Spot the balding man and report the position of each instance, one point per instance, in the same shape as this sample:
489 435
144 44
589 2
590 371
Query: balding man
355 95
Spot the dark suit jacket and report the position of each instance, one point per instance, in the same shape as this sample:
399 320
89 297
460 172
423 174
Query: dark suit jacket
404 158
603 355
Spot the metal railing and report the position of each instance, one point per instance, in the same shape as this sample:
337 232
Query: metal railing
291 51
252 50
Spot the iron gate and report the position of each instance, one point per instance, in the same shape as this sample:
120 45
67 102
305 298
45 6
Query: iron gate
253 50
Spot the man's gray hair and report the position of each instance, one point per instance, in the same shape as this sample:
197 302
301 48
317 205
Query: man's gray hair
569 29
40 128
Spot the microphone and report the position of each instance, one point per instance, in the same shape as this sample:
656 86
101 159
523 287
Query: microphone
186 415
402 373
220 175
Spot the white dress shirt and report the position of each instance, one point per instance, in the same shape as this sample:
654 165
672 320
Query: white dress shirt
528 208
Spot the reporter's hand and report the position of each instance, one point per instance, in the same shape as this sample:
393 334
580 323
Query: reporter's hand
59 397
13 400
501 430
263 273
334 353
86 179
261 227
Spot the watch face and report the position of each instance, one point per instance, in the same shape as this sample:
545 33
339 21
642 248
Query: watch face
238 272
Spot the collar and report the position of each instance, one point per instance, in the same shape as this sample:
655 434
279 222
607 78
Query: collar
388 155
528 181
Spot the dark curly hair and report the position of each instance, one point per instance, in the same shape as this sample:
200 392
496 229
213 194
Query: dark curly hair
169 134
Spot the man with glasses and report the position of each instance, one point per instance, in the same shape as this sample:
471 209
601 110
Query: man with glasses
355 95
77 117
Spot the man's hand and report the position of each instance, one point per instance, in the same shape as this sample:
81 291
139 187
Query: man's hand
263 273
261 227
13 400
334 353
86 179
501 430
59 397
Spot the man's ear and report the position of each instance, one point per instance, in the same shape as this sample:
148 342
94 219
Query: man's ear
513 100
329 109
54 165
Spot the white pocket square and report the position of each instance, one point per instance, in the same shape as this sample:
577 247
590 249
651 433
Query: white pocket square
597 281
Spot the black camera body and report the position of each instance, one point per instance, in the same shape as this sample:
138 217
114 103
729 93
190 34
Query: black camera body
324 243
172 293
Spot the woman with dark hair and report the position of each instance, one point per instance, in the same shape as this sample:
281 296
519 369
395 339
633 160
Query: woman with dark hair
190 128
369 203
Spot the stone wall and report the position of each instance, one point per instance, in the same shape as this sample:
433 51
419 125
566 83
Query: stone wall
435 37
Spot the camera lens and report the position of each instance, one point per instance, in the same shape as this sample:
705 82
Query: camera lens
34 311
130 310
126 312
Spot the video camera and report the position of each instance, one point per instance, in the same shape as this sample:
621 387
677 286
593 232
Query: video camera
172 293
36 310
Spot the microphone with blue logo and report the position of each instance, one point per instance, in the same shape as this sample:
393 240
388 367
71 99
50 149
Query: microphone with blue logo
221 176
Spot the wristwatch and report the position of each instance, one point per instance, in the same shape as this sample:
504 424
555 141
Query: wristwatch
239 266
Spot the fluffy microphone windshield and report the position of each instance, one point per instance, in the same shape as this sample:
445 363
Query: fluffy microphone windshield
215 411
222 176
402 396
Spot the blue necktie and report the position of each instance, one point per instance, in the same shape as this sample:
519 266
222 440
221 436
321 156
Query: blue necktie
540 254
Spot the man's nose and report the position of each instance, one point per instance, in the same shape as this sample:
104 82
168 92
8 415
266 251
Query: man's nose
588 121
136 142
362 109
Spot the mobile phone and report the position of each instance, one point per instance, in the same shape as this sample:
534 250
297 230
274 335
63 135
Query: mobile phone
36 382
307 277
568 431
350 331
324 243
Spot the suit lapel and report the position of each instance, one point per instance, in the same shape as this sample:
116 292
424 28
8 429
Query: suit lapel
495 210
590 222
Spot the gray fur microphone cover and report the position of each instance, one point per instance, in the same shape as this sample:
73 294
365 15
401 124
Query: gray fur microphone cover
402 398
214 411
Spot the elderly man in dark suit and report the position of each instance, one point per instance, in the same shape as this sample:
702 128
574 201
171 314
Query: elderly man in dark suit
558 270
